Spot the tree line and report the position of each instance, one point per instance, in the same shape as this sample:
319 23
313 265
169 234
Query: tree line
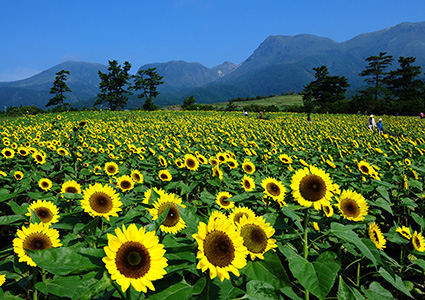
398 91
114 87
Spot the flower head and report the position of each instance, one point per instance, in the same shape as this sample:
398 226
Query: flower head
102 201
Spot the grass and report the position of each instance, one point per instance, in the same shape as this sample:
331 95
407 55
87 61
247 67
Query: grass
279 101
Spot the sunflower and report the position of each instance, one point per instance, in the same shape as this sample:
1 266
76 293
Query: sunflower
179 163
404 231
172 223
222 157
220 248
222 200
216 214
3 174
328 210
202 159
376 236
71 186
352 205
45 210
101 201
248 166
137 176
23 151
232 163
191 162
256 235
162 161
37 236
213 161
18 175
238 212
312 186
273 188
2 279
8 152
303 162
248 183
111 168
134 256
165 175
418 241
45 184
39 158
285 158
365 168
62 151
148 195
217 172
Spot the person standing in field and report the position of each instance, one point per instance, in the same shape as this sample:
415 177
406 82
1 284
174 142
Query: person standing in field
422 115
261 114
309 118
380 126
371 123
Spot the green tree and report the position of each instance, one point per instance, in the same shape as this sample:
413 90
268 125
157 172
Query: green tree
147 81
324 90
405 87
188 102
58 89
375 73
114 85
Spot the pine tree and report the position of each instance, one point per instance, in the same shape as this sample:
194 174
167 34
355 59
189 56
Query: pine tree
147 81
375 72
114 85
58 89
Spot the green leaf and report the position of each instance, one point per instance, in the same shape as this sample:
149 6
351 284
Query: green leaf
293 216
395 280
382 204
261 290
317 277
269 269
377 291
180 290
5 195
419 262
289 292
67 261
346 292
419 220
349 236
226 290
384 193
12 219
95 288
61 286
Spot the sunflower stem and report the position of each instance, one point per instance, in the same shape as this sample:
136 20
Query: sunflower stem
306 219
358 275
118 289
207 288
34 281
128 294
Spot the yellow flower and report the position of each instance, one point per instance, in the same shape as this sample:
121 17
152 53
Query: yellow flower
248 167
238 212
18 175
352 205
37 236
256 234
111 168
222 200
274 189
191 162
2 279
404 231
220 248
418 241
102 201
125 183
134 256
248 183
172 223
8 152
45 210
137 176
376 236
45 184
165 175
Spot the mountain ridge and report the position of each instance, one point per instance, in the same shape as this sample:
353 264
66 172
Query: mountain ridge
281 63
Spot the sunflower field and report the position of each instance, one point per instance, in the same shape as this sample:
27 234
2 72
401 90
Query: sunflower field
211 205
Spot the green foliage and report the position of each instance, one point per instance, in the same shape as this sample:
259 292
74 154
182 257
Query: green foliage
324 90
113 85
149 105
58 89
188 102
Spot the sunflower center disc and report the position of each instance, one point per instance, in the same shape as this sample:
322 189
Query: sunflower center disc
44 214
173 215
219 249
254 238
37 241
71 190
273 189
101 202
312 188
350 208
133 260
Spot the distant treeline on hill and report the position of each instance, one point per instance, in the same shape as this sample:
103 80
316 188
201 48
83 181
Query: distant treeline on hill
242 99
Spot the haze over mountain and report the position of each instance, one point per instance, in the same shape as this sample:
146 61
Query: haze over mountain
280 64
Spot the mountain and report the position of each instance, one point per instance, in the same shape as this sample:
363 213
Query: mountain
279 64
83 81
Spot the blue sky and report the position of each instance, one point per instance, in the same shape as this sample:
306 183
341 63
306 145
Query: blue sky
37 35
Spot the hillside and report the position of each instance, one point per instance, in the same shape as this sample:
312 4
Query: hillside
280 64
